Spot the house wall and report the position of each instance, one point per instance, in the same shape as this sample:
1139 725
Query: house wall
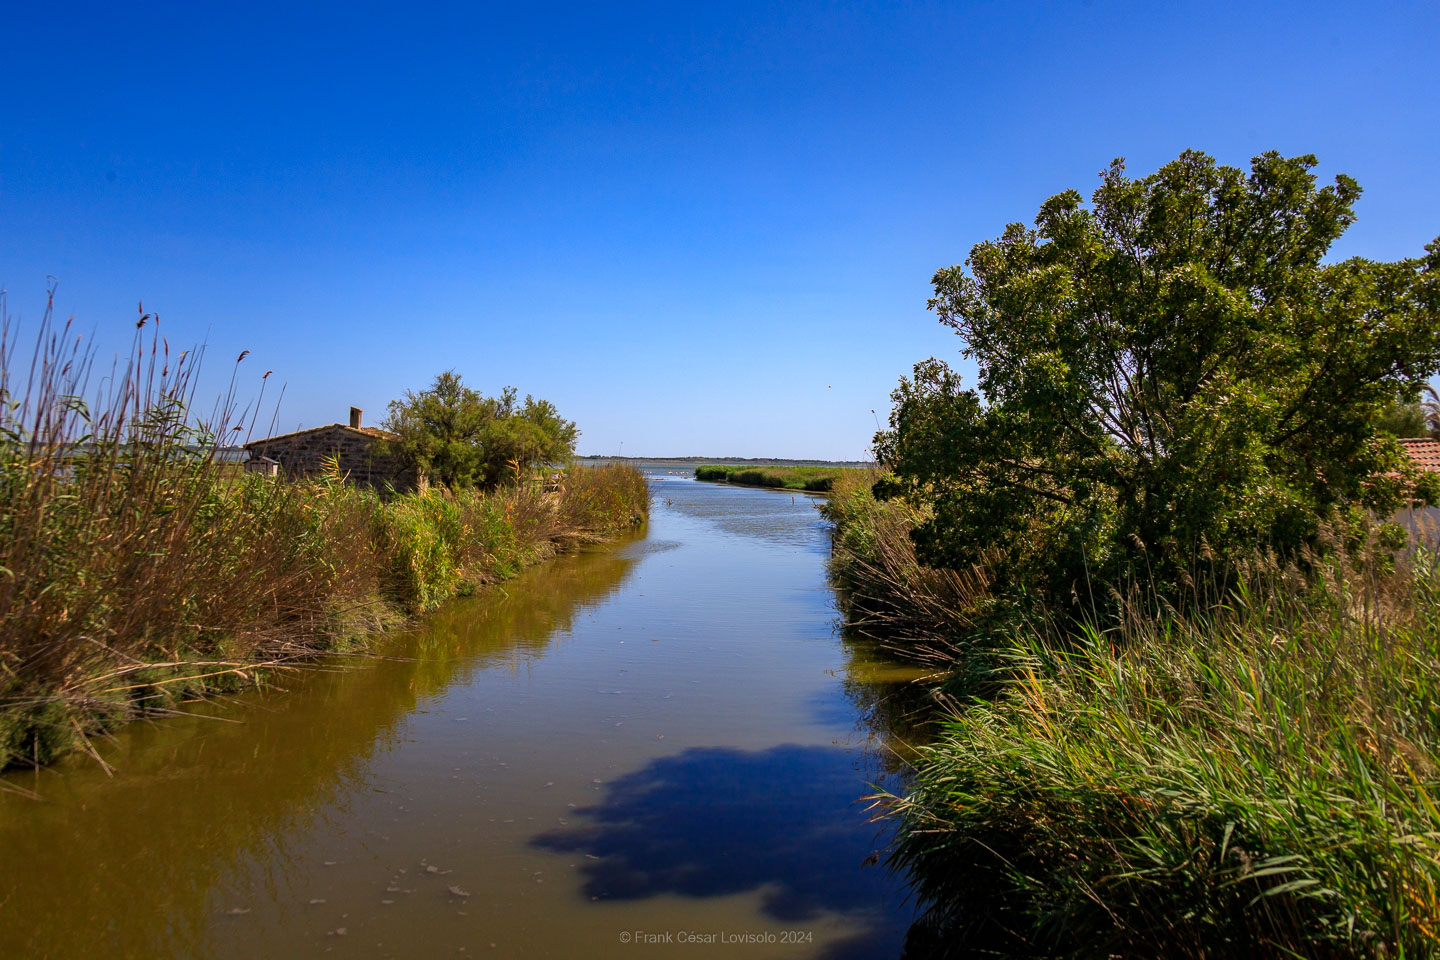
1423 524
357 456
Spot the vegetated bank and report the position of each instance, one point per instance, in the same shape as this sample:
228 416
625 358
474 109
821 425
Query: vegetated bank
1189 667
1254 776
812 479
137 570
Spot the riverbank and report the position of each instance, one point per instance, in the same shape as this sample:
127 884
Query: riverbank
817 479
141 567
1257 777
663 733
182 581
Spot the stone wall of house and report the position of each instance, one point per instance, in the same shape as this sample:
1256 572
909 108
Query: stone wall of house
356 454
1423 524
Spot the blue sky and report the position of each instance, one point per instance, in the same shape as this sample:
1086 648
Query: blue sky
699 229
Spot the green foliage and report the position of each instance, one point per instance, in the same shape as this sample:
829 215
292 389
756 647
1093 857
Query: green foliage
1403 418
1256 781
459 437
810 479
1430 409
1168 379
1180 750
277 571
421 534
933 615
595 497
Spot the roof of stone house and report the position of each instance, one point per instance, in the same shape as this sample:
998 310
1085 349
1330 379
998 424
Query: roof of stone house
373 433
1424 452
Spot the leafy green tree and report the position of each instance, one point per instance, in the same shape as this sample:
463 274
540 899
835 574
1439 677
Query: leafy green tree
441 430
460 437
520 437
1171 373
1403 417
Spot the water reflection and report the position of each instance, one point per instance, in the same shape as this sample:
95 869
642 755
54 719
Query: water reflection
755 512
196 799
892 700
784 823
658 735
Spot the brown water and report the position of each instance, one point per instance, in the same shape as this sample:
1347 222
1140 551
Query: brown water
652 749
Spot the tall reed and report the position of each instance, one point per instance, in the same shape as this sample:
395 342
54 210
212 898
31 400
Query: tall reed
1255 779
1258 775
136 567
918 612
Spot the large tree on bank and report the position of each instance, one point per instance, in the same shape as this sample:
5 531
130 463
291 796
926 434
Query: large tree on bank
1168 374
459 437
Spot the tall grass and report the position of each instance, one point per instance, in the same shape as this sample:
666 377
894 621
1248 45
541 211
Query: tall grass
1259 779
918 612
1259 776
136 568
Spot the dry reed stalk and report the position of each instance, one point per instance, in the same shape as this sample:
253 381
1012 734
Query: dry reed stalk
128 549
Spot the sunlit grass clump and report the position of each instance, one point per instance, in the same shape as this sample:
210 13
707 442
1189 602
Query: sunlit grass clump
811 479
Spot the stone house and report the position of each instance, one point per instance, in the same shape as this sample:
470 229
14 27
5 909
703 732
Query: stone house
264 466
355 450
1422 522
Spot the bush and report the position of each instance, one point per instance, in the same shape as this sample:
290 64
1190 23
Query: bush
888 595
458 437
1256 777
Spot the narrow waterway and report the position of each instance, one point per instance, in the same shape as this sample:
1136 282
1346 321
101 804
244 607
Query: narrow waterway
650 749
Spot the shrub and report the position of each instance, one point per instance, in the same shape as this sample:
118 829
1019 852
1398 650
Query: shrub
916 611
810 479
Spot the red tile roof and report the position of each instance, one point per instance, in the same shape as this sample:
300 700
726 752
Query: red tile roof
1424 452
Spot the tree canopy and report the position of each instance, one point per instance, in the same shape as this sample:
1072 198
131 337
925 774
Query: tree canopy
1404 417
460 437
1170 373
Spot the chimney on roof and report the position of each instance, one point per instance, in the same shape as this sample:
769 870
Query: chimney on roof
355 414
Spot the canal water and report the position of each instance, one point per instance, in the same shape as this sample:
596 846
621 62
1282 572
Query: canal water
651 749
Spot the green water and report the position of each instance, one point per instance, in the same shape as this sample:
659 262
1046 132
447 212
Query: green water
651 749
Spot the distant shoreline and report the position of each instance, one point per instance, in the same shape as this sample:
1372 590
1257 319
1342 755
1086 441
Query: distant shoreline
726 461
